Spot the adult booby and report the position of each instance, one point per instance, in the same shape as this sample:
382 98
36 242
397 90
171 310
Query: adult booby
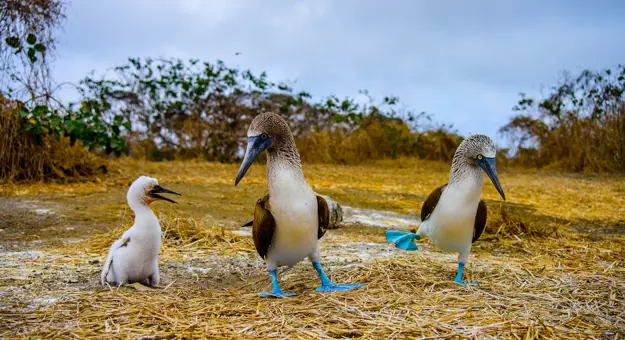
289 221
134 256
453 216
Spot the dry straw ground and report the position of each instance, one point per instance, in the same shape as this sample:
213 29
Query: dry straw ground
550 265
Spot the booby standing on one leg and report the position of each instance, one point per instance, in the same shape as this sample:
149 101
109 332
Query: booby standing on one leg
134 256
453 216
289 221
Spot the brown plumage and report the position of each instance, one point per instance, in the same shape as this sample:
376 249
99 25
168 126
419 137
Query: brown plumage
263 227
430 204
480 221
324 216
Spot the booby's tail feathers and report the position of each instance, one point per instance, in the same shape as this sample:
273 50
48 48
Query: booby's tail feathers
248 224
402 239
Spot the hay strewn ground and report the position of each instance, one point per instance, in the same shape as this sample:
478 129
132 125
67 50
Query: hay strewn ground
533 284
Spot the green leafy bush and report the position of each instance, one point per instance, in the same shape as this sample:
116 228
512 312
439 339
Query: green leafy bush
198 109
85 124
36 155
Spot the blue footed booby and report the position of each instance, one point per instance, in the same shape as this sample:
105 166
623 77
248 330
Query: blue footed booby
453 216
134 256
290 220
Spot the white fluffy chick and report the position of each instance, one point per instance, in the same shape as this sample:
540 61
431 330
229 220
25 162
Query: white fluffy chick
134 256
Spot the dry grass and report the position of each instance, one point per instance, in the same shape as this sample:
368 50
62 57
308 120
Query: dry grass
376 138
508 222
400 186
543 289
23 159
538 278
176 232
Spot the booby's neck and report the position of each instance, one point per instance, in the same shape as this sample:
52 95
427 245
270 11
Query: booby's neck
283 159
140 207
464 172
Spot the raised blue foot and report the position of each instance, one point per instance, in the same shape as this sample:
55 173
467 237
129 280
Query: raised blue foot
402 240
329 286
458 279
277 292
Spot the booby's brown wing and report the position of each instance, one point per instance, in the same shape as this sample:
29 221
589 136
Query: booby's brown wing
430 203
263 227
480 221
324 216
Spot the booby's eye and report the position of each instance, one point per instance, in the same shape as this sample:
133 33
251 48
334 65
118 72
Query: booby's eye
480 157
264 136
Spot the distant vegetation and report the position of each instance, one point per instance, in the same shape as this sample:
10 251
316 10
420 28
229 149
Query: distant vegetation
198 109
164 109
29 150
579 126
39 134
27 29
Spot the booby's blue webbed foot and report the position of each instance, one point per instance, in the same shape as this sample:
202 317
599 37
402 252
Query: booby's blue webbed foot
458 279
464 283
402 239
276 292
329 286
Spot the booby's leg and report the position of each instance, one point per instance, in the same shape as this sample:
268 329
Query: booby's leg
462 259
277 292
326 284
329 286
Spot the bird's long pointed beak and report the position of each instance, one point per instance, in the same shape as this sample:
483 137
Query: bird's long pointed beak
255 146
154 193
488 165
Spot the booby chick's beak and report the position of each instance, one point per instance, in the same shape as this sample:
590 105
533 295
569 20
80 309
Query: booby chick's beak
488 165
255 146
154 193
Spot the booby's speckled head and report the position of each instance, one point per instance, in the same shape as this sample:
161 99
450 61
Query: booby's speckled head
269 123
479 150
145 190
266 131
476 145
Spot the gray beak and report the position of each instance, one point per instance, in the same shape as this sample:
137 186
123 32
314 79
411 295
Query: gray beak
154 193
255 146
488 165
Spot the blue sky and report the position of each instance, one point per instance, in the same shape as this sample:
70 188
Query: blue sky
463 61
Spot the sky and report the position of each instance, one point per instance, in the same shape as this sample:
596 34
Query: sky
465 62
